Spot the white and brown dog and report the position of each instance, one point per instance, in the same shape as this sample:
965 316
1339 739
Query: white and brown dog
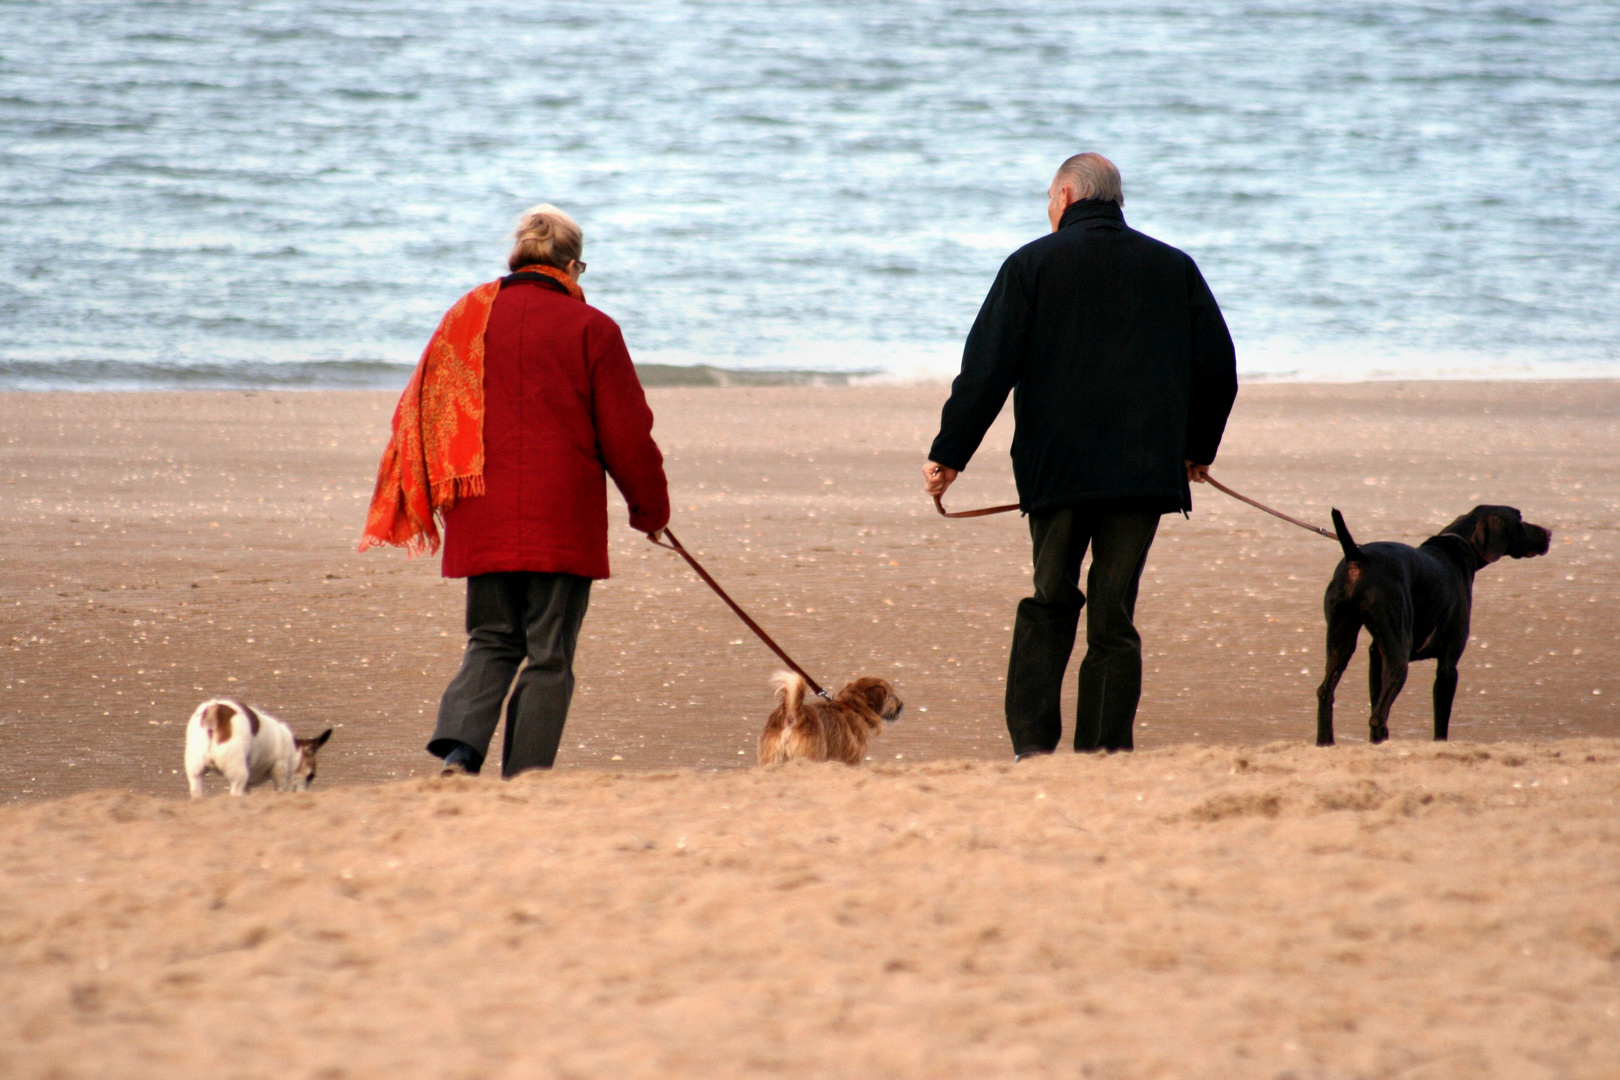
822 729
247 746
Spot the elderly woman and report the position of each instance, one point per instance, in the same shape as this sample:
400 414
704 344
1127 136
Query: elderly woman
522 401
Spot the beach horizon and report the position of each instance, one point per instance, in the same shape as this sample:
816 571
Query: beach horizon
97 376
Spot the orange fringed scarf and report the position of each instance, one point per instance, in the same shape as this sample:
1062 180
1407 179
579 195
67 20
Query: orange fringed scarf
436 454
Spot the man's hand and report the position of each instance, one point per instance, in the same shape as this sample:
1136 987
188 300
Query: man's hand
937 478
1198 474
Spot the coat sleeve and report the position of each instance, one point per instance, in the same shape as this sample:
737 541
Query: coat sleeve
1214 372
624 429
992 362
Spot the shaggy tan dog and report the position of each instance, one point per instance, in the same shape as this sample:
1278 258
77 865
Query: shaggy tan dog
818 729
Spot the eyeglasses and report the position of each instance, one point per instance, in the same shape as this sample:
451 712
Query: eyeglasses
581 264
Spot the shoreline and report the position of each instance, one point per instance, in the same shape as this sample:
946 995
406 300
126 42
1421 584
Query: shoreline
378 375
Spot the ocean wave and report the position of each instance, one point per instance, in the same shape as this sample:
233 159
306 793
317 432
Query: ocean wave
1371 190
898 367
148 375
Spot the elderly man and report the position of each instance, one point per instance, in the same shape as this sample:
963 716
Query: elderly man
1122 375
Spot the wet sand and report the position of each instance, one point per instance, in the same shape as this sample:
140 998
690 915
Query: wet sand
163 547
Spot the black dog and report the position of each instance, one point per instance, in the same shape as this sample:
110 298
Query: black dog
1415 602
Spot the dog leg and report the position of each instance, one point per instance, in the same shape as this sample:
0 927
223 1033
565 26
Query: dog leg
1389 623
1445 690
196 766
1394 671
1341 645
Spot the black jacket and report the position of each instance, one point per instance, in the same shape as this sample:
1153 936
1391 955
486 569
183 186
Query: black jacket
1121 366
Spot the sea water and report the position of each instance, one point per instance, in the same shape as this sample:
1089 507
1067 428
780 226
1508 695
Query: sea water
292 191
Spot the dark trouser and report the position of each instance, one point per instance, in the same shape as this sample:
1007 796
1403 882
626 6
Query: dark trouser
511 617
1043 635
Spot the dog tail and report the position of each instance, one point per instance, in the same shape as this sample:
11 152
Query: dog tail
790 688
1352 553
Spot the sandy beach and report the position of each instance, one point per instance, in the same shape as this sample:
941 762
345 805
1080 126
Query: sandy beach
1281 912
1228 901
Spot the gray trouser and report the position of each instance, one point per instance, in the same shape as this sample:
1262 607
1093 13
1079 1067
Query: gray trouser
1043 634
511 618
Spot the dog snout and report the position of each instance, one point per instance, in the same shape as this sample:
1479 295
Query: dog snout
1535 540
896 707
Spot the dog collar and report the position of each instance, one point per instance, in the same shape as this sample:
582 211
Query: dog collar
1467 546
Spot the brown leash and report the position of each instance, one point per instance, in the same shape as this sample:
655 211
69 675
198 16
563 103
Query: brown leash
680 549
1274 513
986 512
940 506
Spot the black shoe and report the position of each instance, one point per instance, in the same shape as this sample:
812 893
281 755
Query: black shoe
1027 754
462 760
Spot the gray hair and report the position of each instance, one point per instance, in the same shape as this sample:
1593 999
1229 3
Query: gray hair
548 236
1093 177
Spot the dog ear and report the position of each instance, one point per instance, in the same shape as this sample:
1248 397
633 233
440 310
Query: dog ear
1519 538
316 743
866 691
1490 535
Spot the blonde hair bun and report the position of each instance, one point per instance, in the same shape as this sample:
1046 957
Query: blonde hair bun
547 236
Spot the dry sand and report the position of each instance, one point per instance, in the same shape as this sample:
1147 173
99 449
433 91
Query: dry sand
1256 907
1413 911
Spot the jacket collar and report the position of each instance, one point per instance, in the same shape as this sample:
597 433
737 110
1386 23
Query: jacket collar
1092 210
549 276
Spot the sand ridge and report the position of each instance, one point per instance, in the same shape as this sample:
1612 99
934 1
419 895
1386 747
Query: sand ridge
1430 911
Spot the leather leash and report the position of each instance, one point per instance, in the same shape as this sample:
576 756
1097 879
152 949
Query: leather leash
940 506
1274 513
986 512
680 549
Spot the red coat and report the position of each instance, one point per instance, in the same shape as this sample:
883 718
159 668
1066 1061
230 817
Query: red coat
561 405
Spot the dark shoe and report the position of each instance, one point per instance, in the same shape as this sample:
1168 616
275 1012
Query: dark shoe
1027 754
462 760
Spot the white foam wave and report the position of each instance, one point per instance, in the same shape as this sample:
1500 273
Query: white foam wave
1278 361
